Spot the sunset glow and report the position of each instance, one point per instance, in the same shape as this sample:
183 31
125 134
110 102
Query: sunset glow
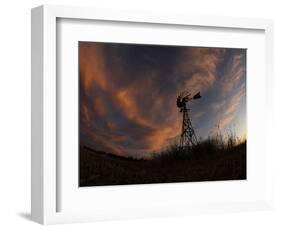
128 94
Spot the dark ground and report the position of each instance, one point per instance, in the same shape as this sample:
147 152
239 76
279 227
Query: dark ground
99 168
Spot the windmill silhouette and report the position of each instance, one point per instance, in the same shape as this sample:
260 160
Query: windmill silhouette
188 137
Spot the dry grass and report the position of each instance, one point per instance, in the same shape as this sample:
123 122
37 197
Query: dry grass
216 158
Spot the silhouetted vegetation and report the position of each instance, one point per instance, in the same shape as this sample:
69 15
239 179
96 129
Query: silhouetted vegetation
211 146
216 158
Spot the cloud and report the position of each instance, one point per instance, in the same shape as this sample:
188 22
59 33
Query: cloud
231 89
92 67
128 93
126 100
229 111
235 71
162 137
218 105
200 65
108 144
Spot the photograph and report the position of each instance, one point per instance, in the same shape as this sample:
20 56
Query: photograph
154 113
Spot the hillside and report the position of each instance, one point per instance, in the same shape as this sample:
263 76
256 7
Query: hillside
98 168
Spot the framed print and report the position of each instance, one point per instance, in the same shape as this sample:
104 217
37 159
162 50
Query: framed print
137 114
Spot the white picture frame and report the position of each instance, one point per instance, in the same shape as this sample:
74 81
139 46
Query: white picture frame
45 163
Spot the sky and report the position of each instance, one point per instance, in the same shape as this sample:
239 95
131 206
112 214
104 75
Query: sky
128 92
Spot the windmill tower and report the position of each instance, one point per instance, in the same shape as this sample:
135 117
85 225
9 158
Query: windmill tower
188 137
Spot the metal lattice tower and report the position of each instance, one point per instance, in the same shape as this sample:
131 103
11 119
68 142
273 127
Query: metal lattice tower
188 137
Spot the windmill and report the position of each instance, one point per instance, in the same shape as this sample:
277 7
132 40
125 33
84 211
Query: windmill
188 137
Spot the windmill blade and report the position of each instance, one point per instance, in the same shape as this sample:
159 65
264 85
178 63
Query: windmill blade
184 94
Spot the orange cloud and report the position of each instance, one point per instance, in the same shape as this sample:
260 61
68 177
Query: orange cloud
111 125
85 113
92 67
204 63
100 106
125 100
160 138
107 143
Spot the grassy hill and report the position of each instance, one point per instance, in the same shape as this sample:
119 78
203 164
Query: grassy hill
206 162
